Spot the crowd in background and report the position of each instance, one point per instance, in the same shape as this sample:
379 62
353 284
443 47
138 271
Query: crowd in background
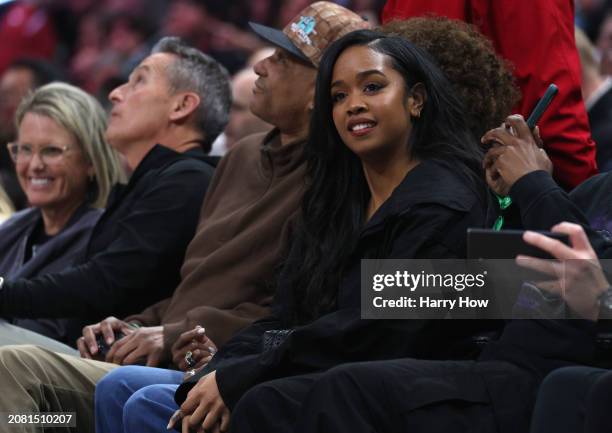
99 42
95 44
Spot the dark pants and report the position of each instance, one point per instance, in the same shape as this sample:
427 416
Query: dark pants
405 395
574 400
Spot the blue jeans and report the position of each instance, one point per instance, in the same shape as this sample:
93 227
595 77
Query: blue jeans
136 399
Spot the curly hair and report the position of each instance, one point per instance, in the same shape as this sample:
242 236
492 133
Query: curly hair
483 80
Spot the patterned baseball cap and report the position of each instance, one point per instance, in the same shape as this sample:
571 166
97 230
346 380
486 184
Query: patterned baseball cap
313 30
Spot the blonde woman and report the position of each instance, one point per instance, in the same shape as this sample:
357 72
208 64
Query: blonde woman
66 170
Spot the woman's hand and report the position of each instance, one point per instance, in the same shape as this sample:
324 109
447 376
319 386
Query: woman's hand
193 349
579 279
204 409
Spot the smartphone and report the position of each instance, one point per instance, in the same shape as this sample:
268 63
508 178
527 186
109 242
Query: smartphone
505 244
542 105
103 348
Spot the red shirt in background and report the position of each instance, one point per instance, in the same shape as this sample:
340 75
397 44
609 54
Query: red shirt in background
538 38
26 31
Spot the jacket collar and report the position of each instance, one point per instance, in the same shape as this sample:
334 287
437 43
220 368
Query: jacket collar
159 156
278 159
432 182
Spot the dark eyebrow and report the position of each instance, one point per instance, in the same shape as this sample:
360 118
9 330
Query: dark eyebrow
361 75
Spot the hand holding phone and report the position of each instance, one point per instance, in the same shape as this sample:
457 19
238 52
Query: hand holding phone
103 347
542 105
514 157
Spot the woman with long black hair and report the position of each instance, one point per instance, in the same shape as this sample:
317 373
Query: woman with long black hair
393 172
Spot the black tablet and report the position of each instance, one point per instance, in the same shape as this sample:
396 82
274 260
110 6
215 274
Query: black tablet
505 244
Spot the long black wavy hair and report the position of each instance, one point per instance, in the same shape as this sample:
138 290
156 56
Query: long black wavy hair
336 195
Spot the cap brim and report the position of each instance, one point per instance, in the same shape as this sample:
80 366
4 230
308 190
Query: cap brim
279 39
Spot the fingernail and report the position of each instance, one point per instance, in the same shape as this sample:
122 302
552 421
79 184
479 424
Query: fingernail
212 350
174 419
201 331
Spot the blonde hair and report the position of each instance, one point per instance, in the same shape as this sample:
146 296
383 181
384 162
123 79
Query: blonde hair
81 115
6 207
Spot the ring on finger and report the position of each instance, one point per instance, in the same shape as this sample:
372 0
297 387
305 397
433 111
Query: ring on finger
189 359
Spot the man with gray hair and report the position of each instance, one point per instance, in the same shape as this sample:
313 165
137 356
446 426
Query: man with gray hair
194 71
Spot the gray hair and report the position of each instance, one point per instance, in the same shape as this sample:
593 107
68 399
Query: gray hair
81 115
200 73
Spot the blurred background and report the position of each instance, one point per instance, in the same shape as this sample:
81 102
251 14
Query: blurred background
94 44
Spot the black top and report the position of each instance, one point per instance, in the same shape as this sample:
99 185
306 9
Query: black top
594 198
135 251
540 204
37 238
600 119
426 217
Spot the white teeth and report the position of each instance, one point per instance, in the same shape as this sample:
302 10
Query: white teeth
40 181
361 126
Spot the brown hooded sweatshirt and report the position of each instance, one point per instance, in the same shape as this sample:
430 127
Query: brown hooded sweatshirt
227 278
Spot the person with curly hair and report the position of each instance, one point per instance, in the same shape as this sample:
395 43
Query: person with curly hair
480 78
538 38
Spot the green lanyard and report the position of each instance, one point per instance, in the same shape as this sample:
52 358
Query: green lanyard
504 203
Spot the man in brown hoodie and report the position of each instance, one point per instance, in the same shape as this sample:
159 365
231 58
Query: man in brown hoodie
228 272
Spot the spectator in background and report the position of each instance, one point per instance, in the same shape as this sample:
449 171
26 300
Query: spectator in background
88 48
597 94
242 121
125 45
67 170
538 38
21 77
186 19
195 22
450 42
369 9
604 45
6 207
27 30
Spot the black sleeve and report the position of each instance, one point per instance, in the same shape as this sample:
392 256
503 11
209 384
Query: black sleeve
543 204
342 336
117 280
